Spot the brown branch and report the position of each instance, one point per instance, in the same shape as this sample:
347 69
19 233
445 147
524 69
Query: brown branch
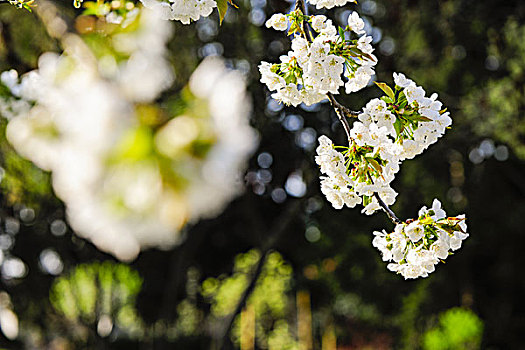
342 112
300 5
347 112
389 212
391 215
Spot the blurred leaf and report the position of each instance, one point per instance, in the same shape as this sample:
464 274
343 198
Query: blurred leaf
91 291
458 329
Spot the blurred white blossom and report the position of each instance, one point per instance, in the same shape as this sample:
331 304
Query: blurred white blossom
8 319
127 185
181 10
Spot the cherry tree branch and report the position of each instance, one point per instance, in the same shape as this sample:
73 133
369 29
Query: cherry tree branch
391 215
345 110
300 5
339 110
389 212
342 113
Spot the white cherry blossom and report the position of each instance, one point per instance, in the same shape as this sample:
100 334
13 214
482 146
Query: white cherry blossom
313 69
184 11
355 23
278 22
416 248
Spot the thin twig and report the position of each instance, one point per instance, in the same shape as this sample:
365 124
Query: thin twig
342 112
389 212
305 28
391 215
347 112
301 5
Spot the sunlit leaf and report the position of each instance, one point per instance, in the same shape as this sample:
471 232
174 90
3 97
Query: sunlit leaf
222 6
386 89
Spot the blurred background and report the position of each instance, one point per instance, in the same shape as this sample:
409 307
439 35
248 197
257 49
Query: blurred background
321 284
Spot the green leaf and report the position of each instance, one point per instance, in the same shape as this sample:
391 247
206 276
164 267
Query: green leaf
386 99
294 28
398 126
341 33
386 89
375 164
426 221
358 53
222 6
420 118
401 97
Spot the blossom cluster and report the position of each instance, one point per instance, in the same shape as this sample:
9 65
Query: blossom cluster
348 181
184 11
403 123
314 66
398 126
416 246
130 174
391 129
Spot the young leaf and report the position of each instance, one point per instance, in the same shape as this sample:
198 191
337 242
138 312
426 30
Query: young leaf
386 99
342 33
426 221
222 6
420 118
387 90
398 126
400 97
375 164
